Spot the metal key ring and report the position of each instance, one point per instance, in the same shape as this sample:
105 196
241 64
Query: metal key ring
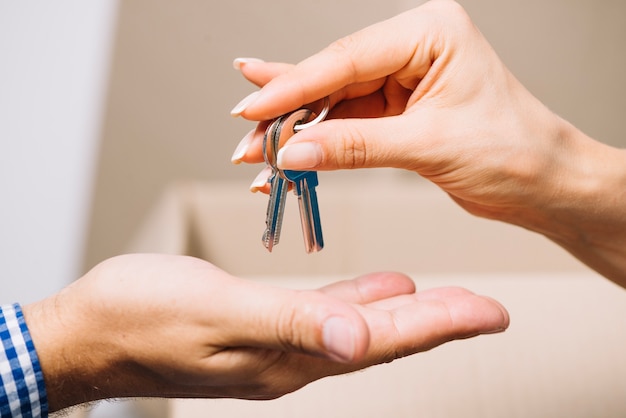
269 154
318 119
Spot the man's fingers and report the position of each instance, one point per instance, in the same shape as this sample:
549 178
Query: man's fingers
408 324
370 287
430 318
295 321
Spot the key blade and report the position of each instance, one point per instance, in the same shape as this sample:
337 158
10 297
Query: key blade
275 211
310 218
305 183
278 190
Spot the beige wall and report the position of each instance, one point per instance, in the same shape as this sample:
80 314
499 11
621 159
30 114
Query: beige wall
172 87
570 53
172 84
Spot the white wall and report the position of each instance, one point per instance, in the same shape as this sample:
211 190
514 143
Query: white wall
53 71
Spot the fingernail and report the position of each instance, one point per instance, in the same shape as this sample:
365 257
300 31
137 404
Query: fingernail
260 180
338 335
242 105
238 62
242 148
299 156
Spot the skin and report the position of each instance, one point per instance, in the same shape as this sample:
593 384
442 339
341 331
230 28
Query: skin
425 92
148 325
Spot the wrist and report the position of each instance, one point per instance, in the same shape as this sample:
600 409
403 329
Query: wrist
582 205
73 353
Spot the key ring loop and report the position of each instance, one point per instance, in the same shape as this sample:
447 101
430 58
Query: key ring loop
318 119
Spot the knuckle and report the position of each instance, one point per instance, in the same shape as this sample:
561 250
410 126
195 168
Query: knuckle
344 51
286 328
292 324
351 149
453 15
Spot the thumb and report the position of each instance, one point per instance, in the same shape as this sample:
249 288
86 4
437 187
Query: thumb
354 143
309 322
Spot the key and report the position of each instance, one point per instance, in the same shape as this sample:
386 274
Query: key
278 191
275 211
276 134
304 182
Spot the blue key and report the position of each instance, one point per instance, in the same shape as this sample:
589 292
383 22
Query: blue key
305 183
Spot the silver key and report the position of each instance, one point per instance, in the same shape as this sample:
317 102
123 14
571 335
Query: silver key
276 134
304 183
278 191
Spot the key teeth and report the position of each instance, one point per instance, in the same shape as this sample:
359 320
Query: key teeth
267 242
277 133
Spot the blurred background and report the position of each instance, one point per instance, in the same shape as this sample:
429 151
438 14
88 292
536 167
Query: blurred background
107 105
172 85
103 104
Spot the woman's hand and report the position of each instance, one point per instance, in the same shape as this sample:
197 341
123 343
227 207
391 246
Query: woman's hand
174 326
424 91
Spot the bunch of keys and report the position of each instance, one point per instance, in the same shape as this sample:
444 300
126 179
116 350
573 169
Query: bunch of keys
303 182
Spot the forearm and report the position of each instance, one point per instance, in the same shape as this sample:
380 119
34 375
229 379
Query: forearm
83 358
583 209
598 221
70 364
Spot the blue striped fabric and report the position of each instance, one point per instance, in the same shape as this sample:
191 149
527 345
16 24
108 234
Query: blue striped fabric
22 389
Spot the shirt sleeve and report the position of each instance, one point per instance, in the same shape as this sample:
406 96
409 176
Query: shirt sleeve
22 387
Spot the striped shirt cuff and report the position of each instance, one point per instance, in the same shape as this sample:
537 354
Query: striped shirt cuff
22 388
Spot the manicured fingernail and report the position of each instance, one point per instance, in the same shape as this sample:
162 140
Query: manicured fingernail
242 148
299 156
338 335
242 105
260 180
238 62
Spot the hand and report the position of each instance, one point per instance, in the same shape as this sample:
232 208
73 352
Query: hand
174 326
424 91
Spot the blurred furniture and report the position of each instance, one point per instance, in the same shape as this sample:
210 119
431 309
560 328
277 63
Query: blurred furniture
562 355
